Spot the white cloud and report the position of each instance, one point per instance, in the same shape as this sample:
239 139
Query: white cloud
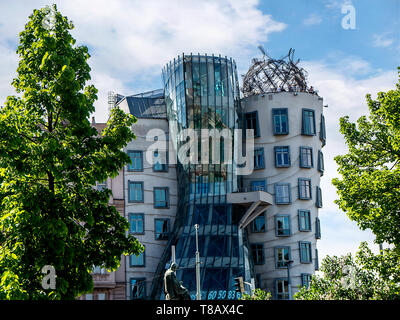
131 40
312 19
382 40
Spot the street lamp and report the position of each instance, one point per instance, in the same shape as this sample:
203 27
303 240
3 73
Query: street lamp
288 264
198 295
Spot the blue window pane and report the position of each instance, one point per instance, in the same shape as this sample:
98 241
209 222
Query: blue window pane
282 256
280 120
306 157
135 191
282 194
258 224
161 229
138 288
161 197
305 252
304 220
305 279
304 189
259 158
308 127
137 161
322 132
258 185
282 156
321 167
318 202
136 223
282 289
251 120
282 225
137 260
317 228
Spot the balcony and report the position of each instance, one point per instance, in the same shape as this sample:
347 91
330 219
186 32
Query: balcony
255 199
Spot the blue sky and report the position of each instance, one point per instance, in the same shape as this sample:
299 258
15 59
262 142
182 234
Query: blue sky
130 41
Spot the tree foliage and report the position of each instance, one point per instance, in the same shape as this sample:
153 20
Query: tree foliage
257 294
50 158
365 277
369 190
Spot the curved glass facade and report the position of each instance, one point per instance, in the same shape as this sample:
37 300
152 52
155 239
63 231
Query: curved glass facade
202 92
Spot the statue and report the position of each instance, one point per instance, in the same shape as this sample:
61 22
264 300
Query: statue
172 287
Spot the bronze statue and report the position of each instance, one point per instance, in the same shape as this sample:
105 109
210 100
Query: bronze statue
172 287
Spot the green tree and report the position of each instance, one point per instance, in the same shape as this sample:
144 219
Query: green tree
50 158
369 191
365 277
257 294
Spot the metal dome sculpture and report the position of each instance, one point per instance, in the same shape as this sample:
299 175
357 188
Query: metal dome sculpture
271 75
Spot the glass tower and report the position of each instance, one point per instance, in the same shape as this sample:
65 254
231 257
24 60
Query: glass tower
202 92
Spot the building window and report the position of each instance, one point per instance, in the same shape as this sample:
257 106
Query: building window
161 197
316 260
282 256
251 119
101 296
282 193
135 191
282 156
322 132
258 224
89 296
257 251
280 121
308 125
137 161
259 158
137 260
100 186
136 222
161 227
317 228
306 157
258 185
282 225
304 189
305 252
321 166
99 270
305 280
160 164
138 288
318 202
282 289
304 220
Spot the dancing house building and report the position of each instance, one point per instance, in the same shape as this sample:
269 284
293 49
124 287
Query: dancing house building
262 226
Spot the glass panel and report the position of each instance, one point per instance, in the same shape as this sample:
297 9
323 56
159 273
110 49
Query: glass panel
162 229
135 191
